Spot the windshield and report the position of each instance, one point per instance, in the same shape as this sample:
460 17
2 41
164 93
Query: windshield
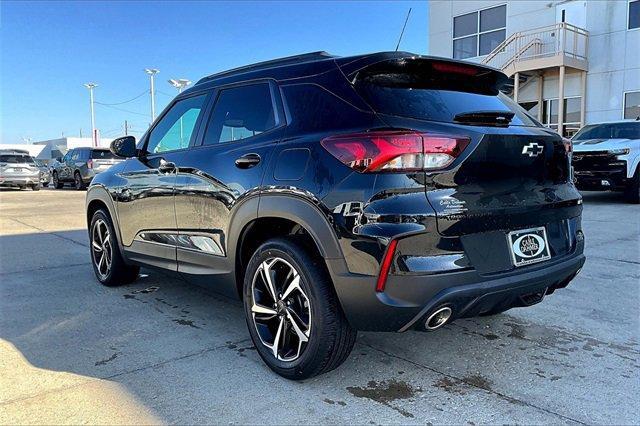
16 159
102 154
629 130
437 91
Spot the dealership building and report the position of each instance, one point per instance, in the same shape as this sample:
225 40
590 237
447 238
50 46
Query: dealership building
571 62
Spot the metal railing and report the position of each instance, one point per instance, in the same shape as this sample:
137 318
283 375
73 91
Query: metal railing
559 39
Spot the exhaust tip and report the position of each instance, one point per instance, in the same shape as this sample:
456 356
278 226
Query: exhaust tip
438 318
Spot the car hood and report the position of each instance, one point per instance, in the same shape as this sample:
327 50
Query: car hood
600 144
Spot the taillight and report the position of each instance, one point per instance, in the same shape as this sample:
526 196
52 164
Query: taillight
390 151
568 145
90 164
386 265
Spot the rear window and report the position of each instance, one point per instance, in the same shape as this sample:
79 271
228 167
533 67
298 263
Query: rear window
102 155
15 159
437 91
609 131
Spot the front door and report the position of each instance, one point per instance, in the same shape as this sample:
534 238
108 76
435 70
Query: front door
222 171
146 208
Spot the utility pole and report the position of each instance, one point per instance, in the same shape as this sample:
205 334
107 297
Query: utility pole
152 72
92 86
126 128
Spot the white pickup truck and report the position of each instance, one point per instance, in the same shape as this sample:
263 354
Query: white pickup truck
606 157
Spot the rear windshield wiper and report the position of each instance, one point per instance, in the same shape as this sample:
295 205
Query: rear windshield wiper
485 118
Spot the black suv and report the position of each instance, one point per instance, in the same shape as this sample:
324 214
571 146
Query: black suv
385 192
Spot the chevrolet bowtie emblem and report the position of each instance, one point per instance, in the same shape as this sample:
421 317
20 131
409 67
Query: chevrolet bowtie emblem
532 150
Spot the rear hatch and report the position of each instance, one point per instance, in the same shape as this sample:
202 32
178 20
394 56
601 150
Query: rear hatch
514 173
16 164
103 159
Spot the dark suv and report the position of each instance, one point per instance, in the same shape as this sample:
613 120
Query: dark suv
80 165
385 192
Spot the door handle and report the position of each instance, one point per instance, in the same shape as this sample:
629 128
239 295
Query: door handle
247 161
166 166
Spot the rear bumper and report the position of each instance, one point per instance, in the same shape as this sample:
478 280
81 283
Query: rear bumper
19 180
409 299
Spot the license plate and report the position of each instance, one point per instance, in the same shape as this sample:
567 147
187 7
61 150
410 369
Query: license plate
17 169
528 246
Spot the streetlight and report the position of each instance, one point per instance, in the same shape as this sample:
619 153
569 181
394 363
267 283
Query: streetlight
92 86
152 72
179 83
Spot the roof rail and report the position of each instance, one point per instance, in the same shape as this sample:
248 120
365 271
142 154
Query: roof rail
288 60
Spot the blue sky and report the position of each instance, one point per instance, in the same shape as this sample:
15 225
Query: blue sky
49 49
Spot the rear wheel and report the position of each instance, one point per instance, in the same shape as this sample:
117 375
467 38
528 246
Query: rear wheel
78 182
108 264
57 184
292 311
35 187
632 193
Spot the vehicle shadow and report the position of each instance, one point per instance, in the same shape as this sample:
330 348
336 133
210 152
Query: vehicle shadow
603 197
167 342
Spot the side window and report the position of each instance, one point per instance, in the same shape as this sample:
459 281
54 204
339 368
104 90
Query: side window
67 156
75 155
176 128
240 113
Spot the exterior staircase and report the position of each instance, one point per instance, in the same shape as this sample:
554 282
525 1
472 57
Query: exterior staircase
547 47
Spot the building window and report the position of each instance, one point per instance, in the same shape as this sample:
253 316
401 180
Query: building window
572 112
632 105
478 33
634 14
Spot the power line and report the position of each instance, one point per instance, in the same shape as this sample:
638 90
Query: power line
120 109
124 102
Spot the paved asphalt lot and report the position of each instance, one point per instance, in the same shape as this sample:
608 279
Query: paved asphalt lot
161 351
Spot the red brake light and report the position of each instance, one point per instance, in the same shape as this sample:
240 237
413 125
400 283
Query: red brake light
386 265
454 68
90 164
389 151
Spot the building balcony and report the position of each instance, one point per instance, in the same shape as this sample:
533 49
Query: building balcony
559 45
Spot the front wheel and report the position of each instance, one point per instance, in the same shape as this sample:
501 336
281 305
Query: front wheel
78 182
292 311
632 192
57 184
108 264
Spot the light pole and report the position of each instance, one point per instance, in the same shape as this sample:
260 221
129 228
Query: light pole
92 86
180 83
152 72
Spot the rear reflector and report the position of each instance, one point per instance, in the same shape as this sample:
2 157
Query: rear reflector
386 265
395 151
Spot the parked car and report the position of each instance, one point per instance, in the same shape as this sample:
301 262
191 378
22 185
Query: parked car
45 173
384 192
606 157
80 165
18 170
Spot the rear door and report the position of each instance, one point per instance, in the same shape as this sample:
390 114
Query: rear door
223 170
514 173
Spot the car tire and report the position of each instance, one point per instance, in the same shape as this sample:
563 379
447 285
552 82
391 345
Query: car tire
106 258
45 184
35 187
57 184
632 192
321 321
78 182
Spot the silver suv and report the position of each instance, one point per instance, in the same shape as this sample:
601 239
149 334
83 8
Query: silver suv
80 165
18 170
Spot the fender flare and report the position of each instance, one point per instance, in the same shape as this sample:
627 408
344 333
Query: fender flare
98 192
308 215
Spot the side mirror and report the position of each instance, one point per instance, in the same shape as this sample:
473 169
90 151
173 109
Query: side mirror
124 147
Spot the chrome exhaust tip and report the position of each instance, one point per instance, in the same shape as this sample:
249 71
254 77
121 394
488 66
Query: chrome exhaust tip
438 318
